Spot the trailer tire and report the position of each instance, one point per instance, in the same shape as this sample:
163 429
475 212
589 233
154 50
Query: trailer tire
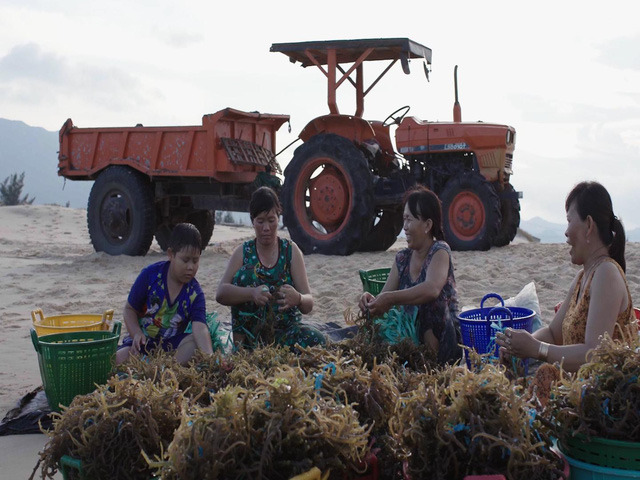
471 212
384 233
510 208
120 213
327 196
204 221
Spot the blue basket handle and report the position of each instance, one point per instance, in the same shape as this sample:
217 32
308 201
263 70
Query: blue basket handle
491 295
495 310
34 339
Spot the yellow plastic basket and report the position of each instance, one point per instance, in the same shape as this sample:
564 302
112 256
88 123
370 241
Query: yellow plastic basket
69 323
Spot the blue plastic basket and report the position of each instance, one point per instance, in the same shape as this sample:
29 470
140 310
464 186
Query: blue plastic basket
480 325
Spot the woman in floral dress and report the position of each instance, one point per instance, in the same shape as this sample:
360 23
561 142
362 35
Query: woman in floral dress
421 281
266 283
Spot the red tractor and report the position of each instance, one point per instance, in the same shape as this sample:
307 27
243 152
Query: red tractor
343 188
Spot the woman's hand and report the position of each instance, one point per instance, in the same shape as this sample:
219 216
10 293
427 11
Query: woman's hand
288 297
380 304
260 295
365 299
517 343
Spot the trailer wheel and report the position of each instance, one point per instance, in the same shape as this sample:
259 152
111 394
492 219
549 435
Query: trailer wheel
510 208
471 212
328 196
120 213
384 233
204 220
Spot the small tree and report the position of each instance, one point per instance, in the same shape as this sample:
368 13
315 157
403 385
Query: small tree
11 191
228 218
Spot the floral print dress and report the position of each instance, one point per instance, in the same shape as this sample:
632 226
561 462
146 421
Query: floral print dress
267 324
439 315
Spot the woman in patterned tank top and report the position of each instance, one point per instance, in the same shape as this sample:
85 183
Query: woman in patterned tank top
598 300
421 281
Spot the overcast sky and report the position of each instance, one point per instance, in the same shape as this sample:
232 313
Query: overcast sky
565 74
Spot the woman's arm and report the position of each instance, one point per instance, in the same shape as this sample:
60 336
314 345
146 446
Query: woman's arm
552 333
229 294
424 292
298 295
608 299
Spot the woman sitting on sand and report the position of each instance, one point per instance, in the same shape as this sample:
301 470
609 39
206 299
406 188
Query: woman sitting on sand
421 278
598 300
266 284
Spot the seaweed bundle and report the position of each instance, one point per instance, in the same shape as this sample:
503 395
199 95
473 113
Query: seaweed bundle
277 430
459 423
372 343
109 429
603 398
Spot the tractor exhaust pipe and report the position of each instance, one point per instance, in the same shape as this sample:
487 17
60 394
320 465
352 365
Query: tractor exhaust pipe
457 112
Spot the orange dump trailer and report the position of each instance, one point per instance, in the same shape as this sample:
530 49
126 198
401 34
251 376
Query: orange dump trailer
147 179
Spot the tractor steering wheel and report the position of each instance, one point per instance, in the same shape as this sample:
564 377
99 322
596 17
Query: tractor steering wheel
391 119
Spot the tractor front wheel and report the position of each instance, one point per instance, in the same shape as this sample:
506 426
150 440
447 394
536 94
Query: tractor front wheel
327 196
471 212
120 213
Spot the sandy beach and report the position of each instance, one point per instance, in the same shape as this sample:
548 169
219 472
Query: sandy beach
48 262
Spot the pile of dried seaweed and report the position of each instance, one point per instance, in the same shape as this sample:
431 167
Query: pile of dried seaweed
272 413
109 429
276 430
603 398
458 422
373 345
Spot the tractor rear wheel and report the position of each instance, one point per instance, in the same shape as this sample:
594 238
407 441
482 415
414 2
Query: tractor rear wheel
471 212
510 208
120 213
387 225
204 220
327 196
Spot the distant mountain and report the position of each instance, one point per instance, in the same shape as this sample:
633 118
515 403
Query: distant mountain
549 232
34 150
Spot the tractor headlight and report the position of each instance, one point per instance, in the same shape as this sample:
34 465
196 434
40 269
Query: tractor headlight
510 137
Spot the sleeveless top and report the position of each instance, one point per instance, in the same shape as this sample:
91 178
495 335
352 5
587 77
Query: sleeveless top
254 273
439 315
574 325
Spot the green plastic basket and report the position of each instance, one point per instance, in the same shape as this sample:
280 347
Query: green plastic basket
374 280
73 363
587 471
603 452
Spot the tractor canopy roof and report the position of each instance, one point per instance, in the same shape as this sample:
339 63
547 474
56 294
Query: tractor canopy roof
352 51
330 54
